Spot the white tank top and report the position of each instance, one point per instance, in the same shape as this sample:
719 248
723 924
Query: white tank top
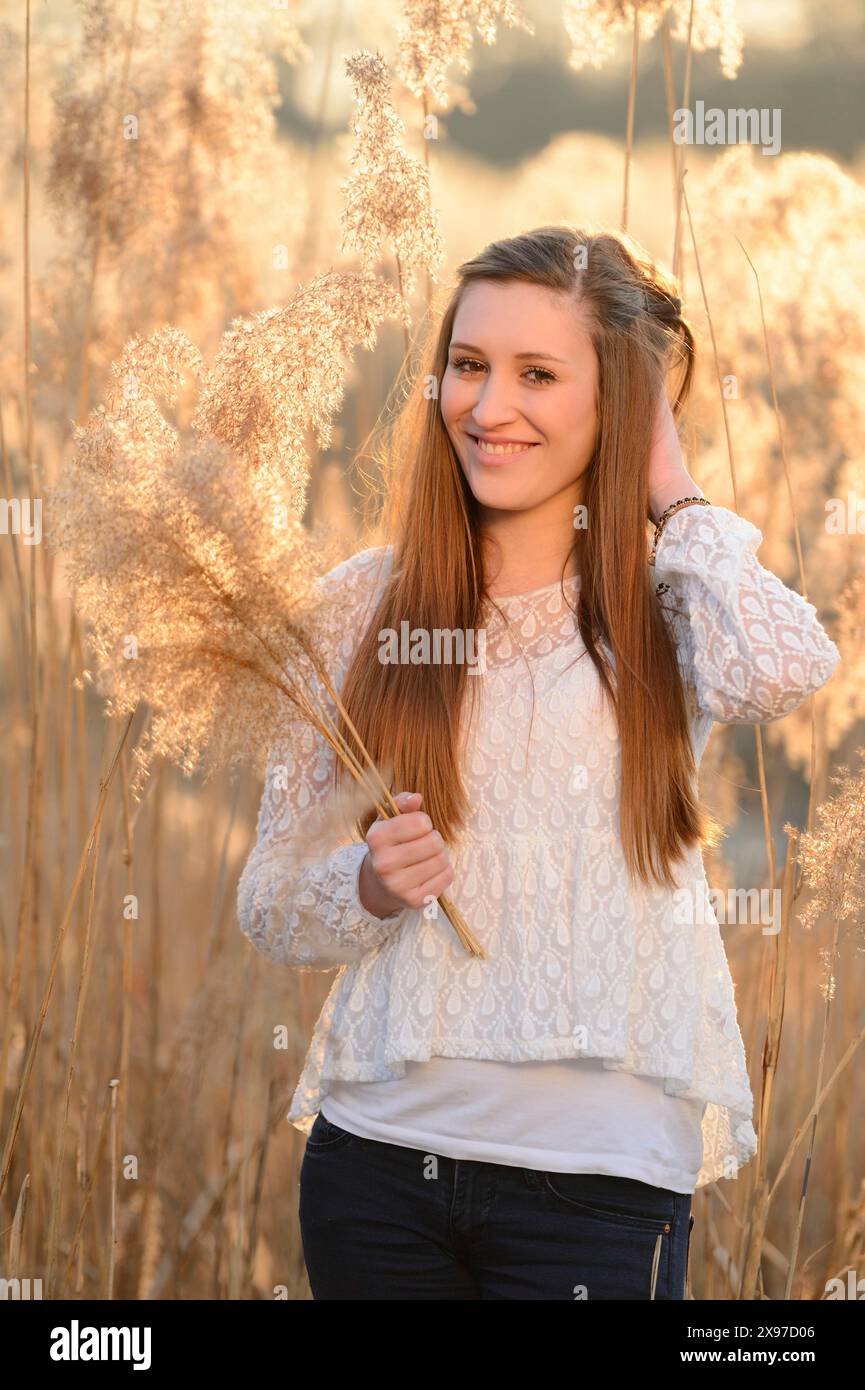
570 1116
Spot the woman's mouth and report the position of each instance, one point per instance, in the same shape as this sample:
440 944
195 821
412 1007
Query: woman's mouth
492 452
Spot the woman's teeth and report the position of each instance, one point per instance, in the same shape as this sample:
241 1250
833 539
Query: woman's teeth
501 448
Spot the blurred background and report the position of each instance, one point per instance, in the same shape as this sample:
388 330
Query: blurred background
227 192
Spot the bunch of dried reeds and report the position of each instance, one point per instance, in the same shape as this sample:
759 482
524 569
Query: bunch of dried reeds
188 555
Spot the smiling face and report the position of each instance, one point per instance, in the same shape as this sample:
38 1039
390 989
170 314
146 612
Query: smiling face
519 395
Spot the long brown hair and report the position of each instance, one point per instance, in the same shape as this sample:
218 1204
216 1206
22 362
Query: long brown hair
411 717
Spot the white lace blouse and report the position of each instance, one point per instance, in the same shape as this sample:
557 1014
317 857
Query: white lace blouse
580 963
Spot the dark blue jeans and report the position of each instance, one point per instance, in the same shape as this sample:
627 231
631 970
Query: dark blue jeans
380 1220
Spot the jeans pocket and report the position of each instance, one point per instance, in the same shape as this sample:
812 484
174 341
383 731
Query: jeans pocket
325 1136
624 1202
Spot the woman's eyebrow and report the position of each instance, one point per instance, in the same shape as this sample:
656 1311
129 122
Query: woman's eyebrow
547 356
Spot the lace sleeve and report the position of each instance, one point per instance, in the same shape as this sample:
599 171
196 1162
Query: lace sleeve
299 906
751 648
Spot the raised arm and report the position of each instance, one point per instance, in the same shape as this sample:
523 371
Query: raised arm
299 904
752 649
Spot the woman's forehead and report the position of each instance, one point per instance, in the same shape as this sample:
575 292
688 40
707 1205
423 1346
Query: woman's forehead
514 317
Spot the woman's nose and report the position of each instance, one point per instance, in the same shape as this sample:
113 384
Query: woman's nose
492 406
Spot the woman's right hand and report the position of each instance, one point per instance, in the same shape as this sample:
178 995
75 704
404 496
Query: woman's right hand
408 862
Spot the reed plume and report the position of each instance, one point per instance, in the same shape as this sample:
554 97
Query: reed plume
282 369
164 151
594 28
435 35
832 856
388 207
814 305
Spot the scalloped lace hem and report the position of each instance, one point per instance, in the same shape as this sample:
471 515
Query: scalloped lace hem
729 1138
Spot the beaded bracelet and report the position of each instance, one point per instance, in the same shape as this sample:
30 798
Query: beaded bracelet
667 513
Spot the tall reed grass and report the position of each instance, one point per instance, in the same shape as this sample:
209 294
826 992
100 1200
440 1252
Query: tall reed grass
158 221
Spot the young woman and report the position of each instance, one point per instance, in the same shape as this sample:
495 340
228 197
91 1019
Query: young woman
533 1124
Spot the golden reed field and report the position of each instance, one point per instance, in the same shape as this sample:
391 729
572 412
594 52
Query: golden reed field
225 230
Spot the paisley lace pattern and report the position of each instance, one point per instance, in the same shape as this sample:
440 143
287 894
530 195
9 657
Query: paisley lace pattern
580 962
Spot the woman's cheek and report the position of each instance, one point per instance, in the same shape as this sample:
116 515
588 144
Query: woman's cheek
449 408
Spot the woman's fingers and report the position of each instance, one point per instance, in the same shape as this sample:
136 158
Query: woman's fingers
418 894
410 858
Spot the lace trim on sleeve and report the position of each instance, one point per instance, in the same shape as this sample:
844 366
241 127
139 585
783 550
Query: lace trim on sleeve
297 899
752 649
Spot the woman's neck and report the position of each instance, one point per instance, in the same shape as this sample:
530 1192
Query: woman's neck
524 551
524 581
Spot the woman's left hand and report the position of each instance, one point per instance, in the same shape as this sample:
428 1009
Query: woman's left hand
669 479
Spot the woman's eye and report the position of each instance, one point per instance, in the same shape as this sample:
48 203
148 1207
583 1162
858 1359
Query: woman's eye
539 374
461 362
